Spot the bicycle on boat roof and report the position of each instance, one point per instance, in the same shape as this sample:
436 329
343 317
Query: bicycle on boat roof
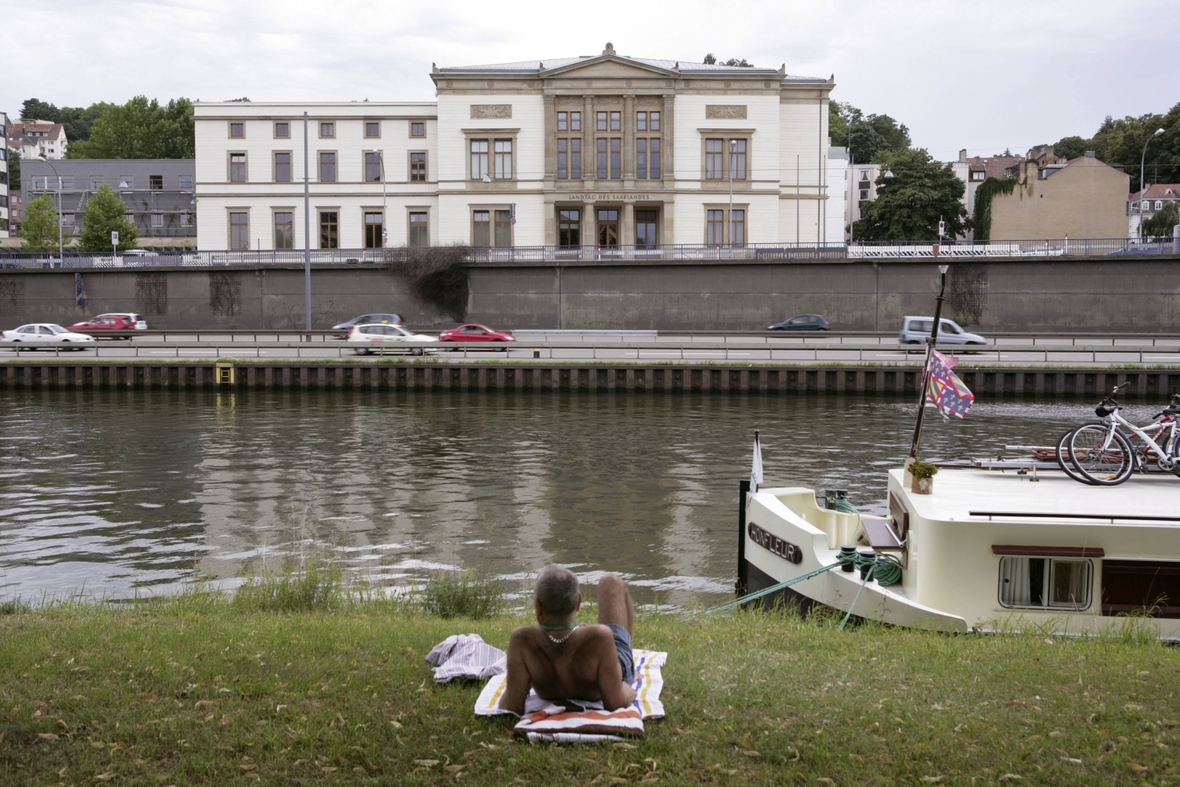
1103 453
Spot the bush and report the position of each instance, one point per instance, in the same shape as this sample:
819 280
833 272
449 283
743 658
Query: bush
314 588
468 594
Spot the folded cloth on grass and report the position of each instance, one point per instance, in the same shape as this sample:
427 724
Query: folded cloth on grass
467 657
584 721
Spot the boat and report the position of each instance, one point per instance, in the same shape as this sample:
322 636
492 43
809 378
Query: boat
987 545
989 549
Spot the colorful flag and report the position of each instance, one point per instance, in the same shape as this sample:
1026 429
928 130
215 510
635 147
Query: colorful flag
756 469
947 391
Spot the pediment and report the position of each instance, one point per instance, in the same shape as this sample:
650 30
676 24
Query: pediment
609 67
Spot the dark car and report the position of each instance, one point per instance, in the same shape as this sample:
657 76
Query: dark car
802 322
367 319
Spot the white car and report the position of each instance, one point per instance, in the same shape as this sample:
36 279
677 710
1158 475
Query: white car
382 337
45 334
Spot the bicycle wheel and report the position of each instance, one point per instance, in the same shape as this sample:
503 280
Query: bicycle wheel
1063 457
1103 456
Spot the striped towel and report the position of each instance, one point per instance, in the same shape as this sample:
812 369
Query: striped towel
585 721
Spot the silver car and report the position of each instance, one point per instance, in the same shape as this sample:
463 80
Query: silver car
45 334
916 330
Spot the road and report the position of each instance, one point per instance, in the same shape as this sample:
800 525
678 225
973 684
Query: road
649 346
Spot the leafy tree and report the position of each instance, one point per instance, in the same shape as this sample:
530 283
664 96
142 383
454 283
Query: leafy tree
106 213
13 169
39 229
1162 222
1072 147
711 60
36 109
872 135
141 129
910 204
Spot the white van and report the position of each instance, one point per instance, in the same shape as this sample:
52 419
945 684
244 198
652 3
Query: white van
916 330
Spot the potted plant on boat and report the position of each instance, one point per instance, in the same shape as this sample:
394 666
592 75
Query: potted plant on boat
923 477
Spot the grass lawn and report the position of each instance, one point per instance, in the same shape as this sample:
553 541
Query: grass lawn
199 690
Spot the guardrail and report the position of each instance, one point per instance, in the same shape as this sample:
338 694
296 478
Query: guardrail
703 253
627 351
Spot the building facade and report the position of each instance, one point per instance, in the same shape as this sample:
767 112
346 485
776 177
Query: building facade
5 217
1082 199
1142 208
35 139
159 194
604 151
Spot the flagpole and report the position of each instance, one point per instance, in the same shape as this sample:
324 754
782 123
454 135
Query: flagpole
926 370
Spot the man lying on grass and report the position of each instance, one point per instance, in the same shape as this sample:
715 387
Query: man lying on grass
563 660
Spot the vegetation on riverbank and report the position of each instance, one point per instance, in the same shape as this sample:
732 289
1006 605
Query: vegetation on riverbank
310 684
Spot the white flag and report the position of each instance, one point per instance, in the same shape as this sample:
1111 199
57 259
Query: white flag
756 470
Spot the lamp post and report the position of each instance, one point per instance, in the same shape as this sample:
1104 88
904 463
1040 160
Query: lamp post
384 232
851 182
1142 165
732 152
60 253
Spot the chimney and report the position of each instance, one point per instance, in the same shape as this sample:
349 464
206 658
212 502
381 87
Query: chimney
963 156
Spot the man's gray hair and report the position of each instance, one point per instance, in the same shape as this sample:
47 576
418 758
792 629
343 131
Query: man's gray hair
556 590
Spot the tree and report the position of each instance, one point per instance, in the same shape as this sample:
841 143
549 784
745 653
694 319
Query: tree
910 204
106 213
141 129
872 135
1161 224
711 60
39 229
36 109
1072 147
13 169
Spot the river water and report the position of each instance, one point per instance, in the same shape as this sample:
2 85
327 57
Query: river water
111 494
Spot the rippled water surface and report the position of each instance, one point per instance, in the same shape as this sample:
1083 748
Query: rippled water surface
117 494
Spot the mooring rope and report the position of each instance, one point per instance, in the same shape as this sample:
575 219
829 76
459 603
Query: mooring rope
886 569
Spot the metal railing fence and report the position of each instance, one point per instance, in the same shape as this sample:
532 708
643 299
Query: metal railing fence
1117 248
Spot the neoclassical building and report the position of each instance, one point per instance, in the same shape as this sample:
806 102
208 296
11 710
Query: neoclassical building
598 151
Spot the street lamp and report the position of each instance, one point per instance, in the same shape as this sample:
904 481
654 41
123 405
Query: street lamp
384 219
61 255
1142 164
732 153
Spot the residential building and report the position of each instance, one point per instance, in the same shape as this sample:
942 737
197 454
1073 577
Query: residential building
976 169
5 215
15 211
860 188
1153 198
606 151
35 139
838 206
159 194
1082 199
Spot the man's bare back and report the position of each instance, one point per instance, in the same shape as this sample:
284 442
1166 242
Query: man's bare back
562 662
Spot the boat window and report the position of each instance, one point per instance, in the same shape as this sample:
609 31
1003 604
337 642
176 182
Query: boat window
1150 587
1045 583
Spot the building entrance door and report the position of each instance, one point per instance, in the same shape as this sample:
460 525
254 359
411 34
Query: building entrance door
608 228
569 228
645 228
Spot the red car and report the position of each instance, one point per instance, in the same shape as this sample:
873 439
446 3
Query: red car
105 322
474 332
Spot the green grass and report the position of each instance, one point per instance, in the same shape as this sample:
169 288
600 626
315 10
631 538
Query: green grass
202 689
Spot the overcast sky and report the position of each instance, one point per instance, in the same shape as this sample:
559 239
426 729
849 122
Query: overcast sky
981 74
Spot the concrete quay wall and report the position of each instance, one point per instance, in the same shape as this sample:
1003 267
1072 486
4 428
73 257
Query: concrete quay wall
560 377
1127 295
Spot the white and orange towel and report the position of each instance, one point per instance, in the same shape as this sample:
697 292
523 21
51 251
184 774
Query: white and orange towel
585 721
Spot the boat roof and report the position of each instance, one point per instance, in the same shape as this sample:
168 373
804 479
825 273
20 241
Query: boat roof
973 494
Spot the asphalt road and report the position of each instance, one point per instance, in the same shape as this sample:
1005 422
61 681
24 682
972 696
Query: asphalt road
647 346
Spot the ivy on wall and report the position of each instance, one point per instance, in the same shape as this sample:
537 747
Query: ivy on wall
437 275
982 220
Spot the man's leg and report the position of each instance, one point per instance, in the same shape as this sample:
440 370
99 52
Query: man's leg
614 603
